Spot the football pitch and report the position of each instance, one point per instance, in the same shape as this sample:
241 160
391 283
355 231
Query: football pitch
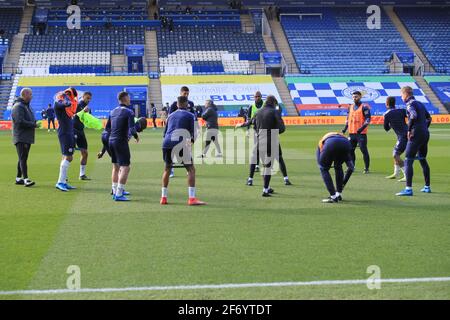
141 250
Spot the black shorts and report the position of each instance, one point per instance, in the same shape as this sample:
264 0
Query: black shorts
80 140
67 143
400 146
169 155
120 152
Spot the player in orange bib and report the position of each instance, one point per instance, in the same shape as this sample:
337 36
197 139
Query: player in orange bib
357 123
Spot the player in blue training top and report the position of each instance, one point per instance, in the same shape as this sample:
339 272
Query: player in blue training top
184 92
121 125
65 108
395 119
139 125
419 121
334 148
179 134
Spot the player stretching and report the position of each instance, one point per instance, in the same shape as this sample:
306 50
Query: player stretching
395 119
419 121
120 124
179 134
65 108
334 148
358 121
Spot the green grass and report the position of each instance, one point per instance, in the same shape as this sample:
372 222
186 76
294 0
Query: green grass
238 238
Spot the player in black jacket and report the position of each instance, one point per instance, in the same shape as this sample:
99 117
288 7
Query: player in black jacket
269 125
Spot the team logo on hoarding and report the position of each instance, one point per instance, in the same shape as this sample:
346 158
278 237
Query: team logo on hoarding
368 94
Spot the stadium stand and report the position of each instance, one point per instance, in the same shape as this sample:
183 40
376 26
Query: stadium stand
10 18
9 23
330 96
430 28
337 41
105 32
214 36
214 39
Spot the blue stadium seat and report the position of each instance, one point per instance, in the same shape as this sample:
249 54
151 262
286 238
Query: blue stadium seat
339 42
430 28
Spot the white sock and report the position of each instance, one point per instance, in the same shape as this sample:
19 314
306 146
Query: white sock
64 167
19 179
408 188
120 188
114 188
334 197
266 190
250 179
396 169
82 170
337 194
164 192
191 192
27 180
286 178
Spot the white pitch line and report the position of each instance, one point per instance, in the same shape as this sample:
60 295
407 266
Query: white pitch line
223 286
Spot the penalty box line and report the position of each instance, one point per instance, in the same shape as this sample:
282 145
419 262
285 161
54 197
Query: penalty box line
225 286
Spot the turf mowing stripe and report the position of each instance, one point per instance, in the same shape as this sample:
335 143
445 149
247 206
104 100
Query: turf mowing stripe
223 286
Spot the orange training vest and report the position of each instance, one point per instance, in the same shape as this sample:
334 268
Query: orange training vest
325 137
356 120
72 110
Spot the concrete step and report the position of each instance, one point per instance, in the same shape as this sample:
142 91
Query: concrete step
118 63
154 93
285 96
247 23
15 50
151 51
283 46
270 45
26 19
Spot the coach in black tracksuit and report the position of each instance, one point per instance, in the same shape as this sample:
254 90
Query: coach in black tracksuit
269 125
24 126
212 128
